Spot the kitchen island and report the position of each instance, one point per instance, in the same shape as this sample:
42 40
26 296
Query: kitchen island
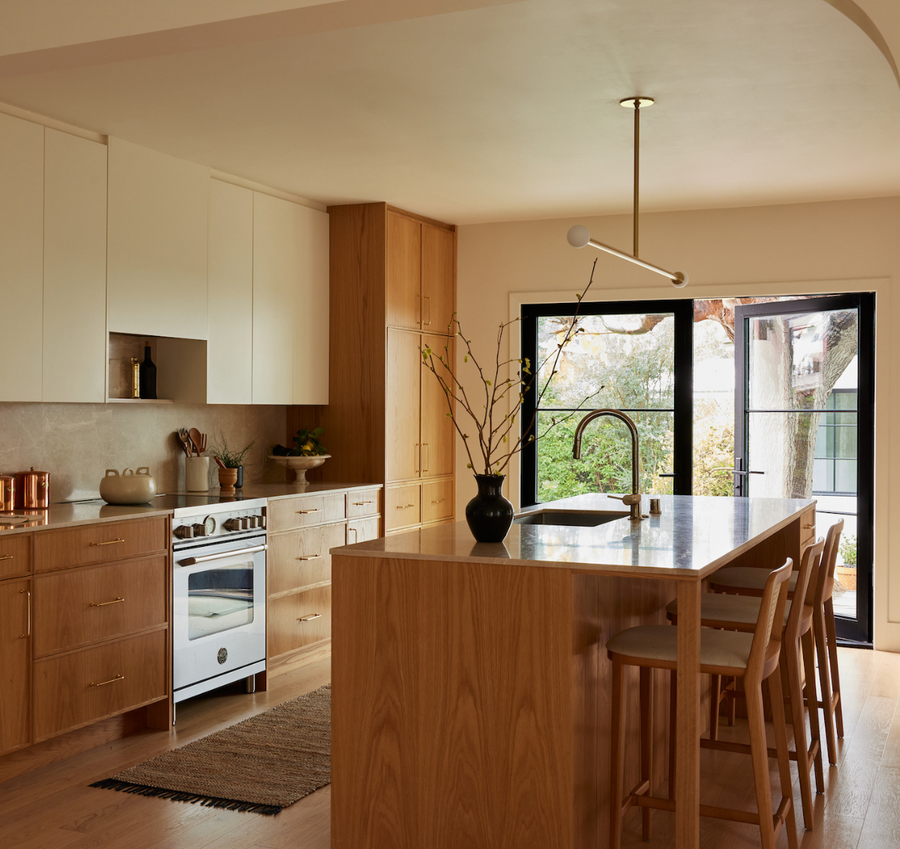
471 684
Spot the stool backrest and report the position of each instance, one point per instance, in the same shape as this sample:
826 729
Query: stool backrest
811 565
768 631
825 584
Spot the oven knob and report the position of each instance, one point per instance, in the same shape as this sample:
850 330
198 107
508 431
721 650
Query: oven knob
200 530
232 524
184 532
245 523
254 521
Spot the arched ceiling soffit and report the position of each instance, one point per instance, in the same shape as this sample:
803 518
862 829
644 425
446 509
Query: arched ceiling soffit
856 14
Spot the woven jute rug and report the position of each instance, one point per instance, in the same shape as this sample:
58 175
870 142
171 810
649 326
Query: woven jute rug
262 764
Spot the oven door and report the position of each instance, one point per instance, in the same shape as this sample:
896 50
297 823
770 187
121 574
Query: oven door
219 610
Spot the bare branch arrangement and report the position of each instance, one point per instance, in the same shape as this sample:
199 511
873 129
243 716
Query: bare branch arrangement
496 442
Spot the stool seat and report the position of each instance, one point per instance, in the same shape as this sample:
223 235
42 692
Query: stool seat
659 643
747 577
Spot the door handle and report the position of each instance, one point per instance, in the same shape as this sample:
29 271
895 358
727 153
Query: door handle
733 471
190 561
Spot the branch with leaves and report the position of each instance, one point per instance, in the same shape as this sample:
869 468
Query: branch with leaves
494 442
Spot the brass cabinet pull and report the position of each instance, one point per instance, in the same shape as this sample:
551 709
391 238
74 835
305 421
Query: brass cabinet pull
427 298
355 534
304 512
404 506
418 457
361 503
27 633
111 542
6 557
427 448
308 557
111 681
439 501
807 527
310 617
117 600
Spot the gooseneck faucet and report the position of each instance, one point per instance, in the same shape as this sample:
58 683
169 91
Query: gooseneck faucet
633 500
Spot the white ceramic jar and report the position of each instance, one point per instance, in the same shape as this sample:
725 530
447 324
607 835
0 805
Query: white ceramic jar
128 488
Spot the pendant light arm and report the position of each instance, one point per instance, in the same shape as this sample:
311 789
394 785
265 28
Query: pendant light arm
579 237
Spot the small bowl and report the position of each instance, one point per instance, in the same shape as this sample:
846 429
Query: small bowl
301 465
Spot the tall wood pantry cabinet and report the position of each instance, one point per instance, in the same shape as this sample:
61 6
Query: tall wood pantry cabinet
393 290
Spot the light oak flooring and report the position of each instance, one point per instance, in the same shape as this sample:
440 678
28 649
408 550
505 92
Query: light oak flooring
53 807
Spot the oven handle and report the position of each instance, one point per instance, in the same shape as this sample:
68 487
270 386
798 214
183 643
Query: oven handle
190 561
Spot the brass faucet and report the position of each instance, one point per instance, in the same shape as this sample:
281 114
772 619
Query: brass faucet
633 501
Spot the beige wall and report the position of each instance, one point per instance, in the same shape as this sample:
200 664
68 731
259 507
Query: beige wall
77 443
804 248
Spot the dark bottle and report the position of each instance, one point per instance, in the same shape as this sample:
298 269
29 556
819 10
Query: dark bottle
148 376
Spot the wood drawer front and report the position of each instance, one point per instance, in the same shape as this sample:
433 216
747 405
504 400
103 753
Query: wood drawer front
73 609
363 502
287 513
300 558
437 501
361 530
71 690
808 528
100 543
402 506
15 556
286 633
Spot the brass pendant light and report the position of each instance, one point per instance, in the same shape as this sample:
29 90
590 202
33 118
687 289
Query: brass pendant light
579 235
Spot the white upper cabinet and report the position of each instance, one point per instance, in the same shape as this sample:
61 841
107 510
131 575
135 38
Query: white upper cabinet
74 326
21 256
290 303
230 345
157 254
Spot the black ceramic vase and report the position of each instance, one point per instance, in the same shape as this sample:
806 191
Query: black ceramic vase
489 514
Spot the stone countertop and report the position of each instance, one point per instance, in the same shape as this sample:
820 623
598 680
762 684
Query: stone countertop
65 515
691 538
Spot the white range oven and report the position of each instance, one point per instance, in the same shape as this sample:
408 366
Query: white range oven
219 595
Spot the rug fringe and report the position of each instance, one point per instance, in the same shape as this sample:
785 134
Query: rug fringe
191 798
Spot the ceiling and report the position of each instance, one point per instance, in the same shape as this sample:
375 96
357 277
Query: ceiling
482 110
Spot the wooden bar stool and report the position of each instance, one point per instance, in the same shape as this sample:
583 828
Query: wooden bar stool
752 657
740 613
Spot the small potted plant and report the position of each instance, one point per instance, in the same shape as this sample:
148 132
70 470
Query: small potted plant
307 453
231 465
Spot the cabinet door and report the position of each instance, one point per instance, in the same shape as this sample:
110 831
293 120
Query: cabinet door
15 665
402 443
74 336
404 271
437 431
158 222
276 264
21 256
311 308
438 279
229 351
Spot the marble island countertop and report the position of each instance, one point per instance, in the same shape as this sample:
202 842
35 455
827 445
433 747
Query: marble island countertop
692 536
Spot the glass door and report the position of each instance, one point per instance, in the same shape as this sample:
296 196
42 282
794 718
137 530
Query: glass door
804 425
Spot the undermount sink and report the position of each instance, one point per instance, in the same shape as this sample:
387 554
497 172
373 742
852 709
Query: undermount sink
585 519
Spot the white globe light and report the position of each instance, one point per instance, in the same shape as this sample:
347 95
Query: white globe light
579 236
681 282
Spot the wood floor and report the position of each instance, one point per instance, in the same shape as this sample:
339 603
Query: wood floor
53 807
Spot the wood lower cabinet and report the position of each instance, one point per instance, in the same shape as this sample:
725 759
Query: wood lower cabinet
15 664
302 529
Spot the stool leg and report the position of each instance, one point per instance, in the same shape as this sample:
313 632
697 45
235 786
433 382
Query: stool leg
790 664
673 730
835 693
730 705
647 733
715 696
784 765
825 682
759 753
809 665
617 754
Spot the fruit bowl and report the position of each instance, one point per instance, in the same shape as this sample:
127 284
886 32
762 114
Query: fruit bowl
301 465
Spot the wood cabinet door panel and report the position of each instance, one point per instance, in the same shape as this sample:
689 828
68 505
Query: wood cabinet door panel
404 271
438 279
402 506
74 608
298 620
300 558
72 690
15 665
15 556
287 513
437 501
365 502
402 442
361 530
438 434
99 543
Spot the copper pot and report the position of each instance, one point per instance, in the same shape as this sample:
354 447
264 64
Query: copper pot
7 493
32 490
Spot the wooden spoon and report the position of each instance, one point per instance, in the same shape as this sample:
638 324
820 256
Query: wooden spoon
195 439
